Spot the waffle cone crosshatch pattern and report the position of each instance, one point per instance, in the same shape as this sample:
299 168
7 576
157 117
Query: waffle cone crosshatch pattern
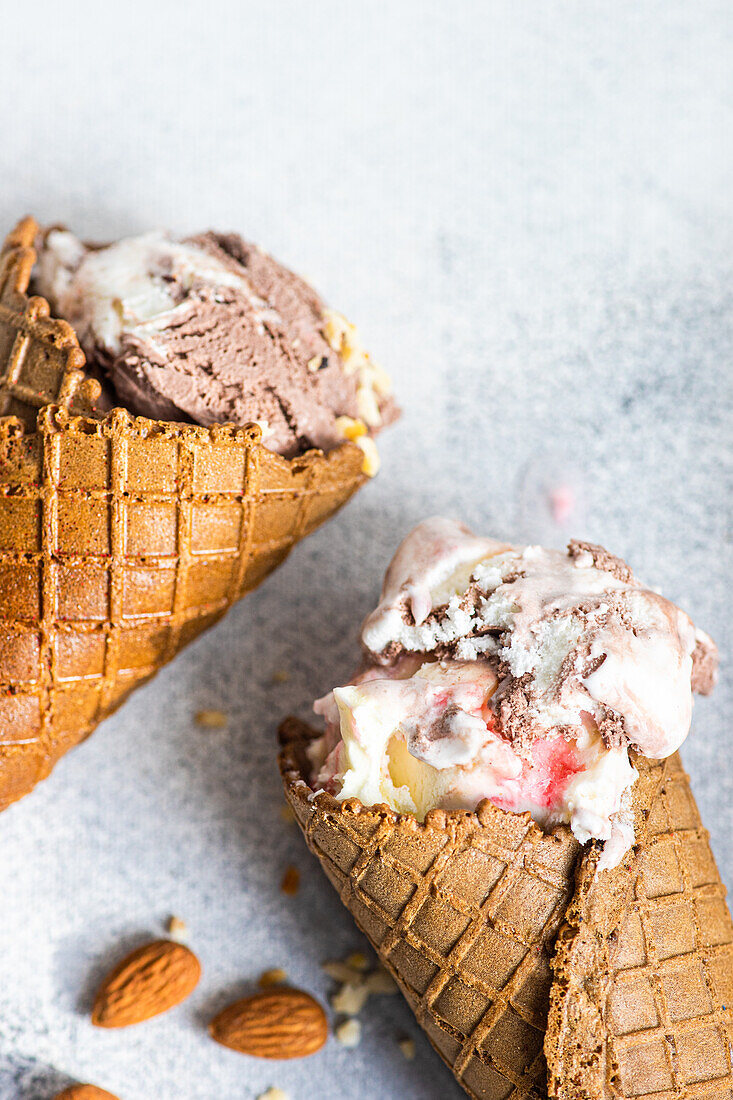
463 910
40 359
658 973
121 538
517 977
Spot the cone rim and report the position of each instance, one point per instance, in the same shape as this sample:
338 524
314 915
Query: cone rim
294 735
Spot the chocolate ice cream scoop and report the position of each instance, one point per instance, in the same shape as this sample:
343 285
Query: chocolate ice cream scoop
210 329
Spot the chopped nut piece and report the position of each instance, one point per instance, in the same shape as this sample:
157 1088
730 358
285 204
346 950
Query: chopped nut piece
350 998
349 1033
177 929
280 676
350 428
381 380
273 1094
336 329
314 364
371 462
380 981
275 976
372 380
367 407
212 719
407 1046
286 813
356 432
291 881
357 960
340 971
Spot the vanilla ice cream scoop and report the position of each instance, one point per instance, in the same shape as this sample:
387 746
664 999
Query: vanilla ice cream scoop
517 674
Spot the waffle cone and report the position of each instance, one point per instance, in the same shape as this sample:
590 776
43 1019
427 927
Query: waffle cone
121 538
531 977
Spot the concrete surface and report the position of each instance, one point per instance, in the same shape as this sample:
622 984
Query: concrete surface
526 207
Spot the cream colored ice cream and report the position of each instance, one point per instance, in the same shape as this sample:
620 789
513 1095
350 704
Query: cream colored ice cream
521 675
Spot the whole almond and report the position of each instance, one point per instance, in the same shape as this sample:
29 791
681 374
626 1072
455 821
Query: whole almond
147 982
84 1092
279 1023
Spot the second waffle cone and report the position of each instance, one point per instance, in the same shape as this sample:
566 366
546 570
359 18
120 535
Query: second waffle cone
491 927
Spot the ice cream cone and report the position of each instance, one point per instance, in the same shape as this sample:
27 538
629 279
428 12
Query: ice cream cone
642 1001
467 911
121 538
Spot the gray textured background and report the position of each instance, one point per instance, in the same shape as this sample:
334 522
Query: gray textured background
526 207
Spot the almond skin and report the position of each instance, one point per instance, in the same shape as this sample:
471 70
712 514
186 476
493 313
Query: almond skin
279 1023
149 981
84 1092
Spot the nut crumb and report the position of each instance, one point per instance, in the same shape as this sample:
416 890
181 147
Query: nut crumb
273 1094
349 1033
286 813
350 999
177 929
371 462
367 405
275 976
356 982
407 1046
280 676
340 971
212 719
380 981
351 429
291 881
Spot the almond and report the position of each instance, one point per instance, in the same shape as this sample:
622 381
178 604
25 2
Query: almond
280 1023
147 982
84 1092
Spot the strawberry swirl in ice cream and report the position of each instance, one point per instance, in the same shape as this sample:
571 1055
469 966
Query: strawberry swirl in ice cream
518 674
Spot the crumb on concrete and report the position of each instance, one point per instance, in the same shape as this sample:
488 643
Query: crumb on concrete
407 1047
287 814
349 1033
274 976
212 719
290 881
356 983
349 998
177 929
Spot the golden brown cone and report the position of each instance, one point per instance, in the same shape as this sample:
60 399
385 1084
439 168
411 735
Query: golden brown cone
467 909
121 538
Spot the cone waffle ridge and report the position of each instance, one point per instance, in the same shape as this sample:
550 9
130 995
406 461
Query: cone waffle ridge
40 358
463 910
666 1006
121 538
643 968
